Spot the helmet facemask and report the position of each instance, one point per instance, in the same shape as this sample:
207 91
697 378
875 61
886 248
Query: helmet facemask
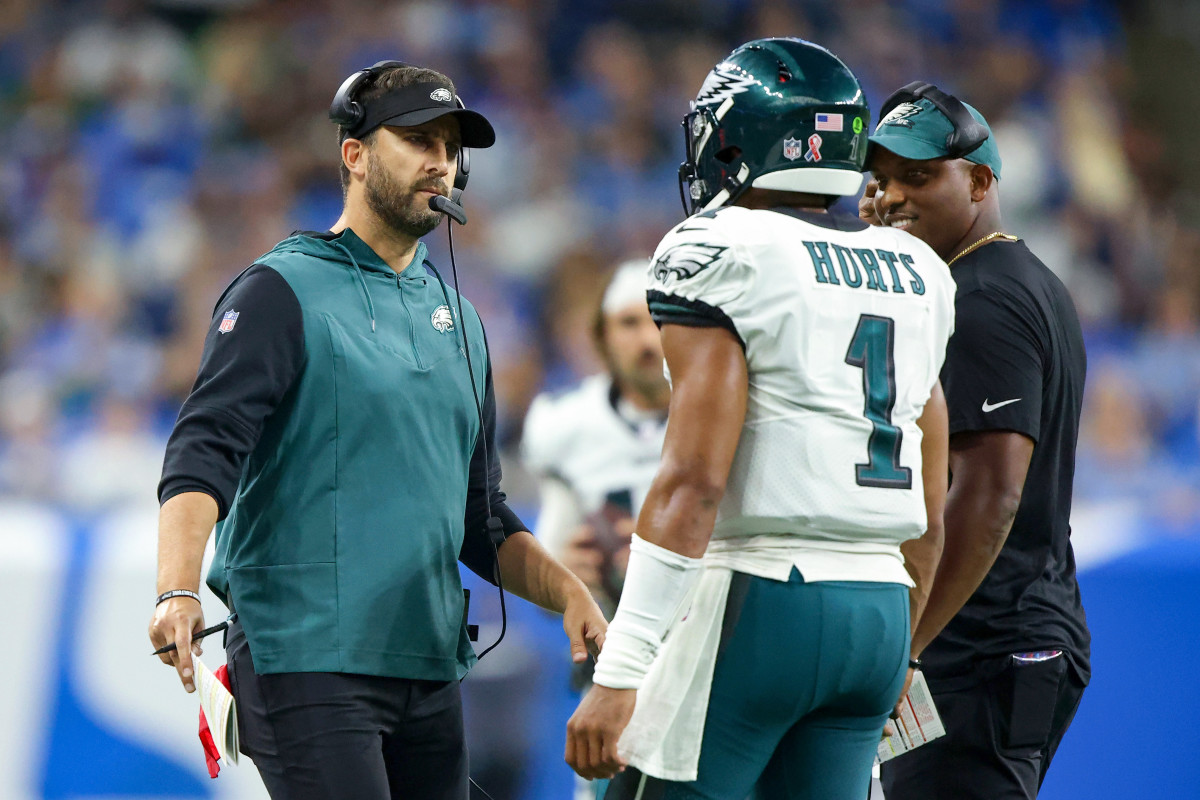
721 179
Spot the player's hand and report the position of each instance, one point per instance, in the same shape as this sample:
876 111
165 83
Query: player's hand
584 556
175 620
889 727
595 728
584 624
866 203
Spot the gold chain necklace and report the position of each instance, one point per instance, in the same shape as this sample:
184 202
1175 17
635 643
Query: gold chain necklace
997 235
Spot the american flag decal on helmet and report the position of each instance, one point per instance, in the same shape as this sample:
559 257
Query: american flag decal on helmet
829 122
228 321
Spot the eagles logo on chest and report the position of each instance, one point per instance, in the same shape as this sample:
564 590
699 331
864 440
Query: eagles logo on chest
442 319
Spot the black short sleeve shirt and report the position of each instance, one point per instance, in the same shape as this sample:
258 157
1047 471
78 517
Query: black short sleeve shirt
1016 362
993 367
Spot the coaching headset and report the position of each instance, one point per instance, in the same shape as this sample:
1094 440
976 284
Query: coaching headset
413 105
968 135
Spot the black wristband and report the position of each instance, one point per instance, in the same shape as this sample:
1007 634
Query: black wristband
914 663
176 593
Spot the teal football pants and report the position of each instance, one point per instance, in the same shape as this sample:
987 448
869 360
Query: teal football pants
804 681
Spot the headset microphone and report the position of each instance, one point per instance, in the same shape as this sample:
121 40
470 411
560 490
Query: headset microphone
452 206
448 207
494 527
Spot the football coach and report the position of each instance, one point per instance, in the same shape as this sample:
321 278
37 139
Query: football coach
343 443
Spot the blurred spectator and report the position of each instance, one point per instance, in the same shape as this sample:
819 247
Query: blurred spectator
27 451
113 461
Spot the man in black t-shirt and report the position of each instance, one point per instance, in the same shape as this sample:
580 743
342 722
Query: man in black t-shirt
1003 637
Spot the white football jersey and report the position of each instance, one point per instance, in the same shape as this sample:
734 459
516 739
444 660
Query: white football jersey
844 328
579 439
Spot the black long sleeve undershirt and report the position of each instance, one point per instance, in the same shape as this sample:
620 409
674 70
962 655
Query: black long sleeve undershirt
476 551
244 374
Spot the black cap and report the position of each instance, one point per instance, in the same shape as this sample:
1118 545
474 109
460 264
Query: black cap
419 103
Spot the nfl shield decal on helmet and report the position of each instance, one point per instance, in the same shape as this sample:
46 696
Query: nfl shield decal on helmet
792 149
228 321
442 319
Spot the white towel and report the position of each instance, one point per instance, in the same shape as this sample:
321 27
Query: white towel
664 735
663 738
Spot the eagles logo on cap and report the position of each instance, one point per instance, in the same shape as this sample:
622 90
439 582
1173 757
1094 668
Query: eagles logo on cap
441 94
899 115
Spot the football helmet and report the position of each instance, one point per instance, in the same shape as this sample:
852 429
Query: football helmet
781 114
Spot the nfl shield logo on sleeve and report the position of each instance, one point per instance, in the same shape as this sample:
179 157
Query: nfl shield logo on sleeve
228 321
792 149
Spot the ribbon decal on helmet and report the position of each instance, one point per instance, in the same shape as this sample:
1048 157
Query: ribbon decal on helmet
814 148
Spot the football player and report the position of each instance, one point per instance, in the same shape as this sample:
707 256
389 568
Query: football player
595 447
805 458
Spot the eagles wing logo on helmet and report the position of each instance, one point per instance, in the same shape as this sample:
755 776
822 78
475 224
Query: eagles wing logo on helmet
442 319
725 81
686 260
899 115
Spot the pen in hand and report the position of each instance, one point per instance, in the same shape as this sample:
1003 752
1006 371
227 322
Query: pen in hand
220 626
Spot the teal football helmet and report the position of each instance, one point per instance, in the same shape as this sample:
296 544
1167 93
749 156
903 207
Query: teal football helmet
781 114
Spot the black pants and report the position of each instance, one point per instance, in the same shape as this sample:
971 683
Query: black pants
1004 722
326 735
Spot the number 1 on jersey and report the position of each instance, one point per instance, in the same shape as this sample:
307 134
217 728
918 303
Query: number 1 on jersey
871 350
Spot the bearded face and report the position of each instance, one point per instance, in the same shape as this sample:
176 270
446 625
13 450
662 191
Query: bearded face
402 208
633 350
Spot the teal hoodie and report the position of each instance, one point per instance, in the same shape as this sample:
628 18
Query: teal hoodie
339 550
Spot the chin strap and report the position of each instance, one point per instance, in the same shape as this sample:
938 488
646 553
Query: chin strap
731 190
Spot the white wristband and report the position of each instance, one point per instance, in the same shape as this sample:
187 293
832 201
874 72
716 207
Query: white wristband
658 587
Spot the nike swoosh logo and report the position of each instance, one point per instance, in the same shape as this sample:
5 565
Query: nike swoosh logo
989 407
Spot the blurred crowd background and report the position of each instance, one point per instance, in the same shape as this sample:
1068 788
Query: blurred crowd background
151 149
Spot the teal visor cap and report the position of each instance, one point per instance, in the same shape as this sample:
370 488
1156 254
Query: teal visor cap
919 130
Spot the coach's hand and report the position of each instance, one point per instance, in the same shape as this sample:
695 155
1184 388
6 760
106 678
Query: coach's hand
174 621
594 730
584 624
